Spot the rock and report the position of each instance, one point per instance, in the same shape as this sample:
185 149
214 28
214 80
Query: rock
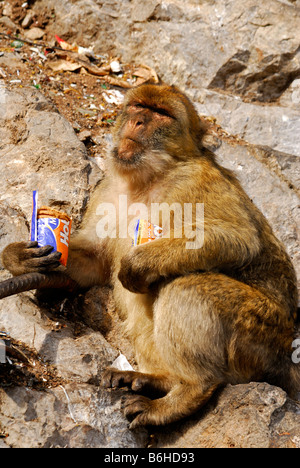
13 61
143 10
240 64
68 416
273 126
7 10
28 20
251 165
77 358
241 416
34 34
8 23
13 225
40 151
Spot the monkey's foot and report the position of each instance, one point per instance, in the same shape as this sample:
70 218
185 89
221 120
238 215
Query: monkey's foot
137 381
183 400
139 407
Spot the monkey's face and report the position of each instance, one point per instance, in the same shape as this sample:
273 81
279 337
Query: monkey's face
157 127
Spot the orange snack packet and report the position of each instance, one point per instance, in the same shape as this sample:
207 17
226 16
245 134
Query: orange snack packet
51 227
145 232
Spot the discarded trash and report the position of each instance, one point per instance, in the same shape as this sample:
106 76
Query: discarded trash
113 97
51 227
7 350
145 73
115 66
122 364
17 44
86 112
88 52
64 65
39 53
69 404
145 232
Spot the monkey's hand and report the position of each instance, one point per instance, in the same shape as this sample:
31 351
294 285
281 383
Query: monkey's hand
26 257
135 273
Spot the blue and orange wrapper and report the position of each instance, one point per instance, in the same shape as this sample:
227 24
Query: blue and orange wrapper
145 232
51 227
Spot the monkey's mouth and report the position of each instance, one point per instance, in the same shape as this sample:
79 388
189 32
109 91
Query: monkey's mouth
128 152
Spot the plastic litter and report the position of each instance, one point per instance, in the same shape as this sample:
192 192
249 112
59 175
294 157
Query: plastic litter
121 363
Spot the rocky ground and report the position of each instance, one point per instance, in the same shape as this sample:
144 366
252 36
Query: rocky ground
240 63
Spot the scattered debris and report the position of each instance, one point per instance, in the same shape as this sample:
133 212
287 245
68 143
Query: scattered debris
88 52
34 34
113 97
145 73
69 404
87 89
115 66
23 366
122 363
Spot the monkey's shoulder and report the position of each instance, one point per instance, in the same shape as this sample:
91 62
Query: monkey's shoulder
201 176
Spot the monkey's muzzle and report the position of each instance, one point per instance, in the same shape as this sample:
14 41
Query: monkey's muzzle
128 150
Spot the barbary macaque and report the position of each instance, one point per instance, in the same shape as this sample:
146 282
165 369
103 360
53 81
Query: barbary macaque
209 304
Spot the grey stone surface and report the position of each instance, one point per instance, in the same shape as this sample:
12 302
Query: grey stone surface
240 63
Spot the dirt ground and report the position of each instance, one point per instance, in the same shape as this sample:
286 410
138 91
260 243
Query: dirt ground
80 97
87 89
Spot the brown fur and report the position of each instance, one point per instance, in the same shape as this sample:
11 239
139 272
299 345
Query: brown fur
224 313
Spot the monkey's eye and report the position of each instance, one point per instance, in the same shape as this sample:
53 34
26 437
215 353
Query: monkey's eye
163 112
156 110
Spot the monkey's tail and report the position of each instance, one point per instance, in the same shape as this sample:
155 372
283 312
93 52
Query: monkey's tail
31 281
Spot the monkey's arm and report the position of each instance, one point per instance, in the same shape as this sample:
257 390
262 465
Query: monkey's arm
231 240
34 267
25 257
88 264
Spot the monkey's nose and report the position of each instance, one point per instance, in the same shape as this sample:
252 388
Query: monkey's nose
136 123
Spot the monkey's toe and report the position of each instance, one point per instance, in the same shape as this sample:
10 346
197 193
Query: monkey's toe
137 407
113 378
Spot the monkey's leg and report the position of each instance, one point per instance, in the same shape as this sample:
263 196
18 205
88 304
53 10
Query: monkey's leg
209 330
168 339
183 400
137 381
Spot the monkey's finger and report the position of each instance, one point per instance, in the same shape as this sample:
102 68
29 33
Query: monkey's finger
134 405
51 261
106 380
41 251
113 378
54 257
30 245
